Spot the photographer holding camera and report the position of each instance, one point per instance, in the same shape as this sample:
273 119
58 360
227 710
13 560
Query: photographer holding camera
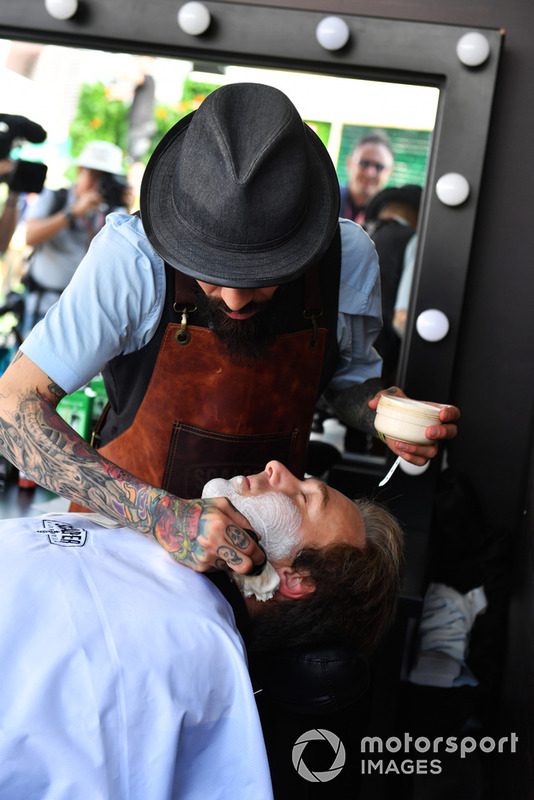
19 176
62 223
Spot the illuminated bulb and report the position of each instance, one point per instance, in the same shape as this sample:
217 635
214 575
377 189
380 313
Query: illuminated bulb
61 9
194 18
452 189
332 33
432 325
473 49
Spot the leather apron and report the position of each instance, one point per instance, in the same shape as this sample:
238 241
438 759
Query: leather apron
224 421
204 416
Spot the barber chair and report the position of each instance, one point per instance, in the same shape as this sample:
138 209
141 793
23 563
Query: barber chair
311 681
301 690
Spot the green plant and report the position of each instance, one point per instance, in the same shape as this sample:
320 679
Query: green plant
98 117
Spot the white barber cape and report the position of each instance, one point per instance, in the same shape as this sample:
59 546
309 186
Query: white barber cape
122 675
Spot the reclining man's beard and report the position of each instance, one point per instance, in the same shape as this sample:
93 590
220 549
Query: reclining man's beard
244 339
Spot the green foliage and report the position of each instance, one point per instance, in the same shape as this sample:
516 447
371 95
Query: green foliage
322 129
98 117
167 116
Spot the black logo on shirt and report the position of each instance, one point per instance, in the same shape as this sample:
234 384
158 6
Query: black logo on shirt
63 533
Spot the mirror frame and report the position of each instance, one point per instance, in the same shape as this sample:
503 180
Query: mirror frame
378 49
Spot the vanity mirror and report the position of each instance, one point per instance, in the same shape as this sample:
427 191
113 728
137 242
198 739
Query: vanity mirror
459 62
456 65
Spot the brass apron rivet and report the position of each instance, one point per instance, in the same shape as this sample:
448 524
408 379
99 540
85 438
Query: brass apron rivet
182 337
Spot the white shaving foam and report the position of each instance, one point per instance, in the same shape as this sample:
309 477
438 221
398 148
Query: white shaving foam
261 586
273 515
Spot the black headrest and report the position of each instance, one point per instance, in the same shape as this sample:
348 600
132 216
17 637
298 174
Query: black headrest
310 680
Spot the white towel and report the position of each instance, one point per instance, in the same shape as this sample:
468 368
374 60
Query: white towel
444 631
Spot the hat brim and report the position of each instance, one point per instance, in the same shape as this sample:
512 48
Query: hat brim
188 252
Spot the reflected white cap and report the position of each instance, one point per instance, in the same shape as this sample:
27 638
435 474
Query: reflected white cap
103 156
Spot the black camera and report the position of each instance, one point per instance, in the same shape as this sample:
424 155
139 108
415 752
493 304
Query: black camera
113 189
24 176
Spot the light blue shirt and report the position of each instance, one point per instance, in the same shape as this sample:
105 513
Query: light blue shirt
115 300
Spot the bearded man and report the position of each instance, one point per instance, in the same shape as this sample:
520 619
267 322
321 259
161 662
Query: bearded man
217 317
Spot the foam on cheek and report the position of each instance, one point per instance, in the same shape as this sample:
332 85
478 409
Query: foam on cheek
276 518
273 515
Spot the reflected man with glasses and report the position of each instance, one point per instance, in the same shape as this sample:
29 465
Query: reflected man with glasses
369 167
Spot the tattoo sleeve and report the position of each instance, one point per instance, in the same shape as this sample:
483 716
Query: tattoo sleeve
38 441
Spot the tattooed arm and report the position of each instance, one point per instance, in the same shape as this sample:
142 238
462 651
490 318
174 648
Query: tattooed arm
356 406
33 436
352 405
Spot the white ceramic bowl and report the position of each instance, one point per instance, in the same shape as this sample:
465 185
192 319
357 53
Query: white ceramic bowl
405 419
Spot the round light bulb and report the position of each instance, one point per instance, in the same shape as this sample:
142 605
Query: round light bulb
332 33
452 189
61 9
432 325
194 18
473 49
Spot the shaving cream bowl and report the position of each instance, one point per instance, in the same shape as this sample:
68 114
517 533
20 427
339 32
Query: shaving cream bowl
404 419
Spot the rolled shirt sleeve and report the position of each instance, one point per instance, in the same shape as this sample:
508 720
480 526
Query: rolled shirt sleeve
112 305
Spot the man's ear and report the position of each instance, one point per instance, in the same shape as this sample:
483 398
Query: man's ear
294 584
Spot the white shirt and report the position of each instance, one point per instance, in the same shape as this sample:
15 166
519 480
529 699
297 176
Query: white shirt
114 302
123 675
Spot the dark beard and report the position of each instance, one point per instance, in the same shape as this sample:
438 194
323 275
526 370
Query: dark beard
244 339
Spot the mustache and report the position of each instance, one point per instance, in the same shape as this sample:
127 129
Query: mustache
217 305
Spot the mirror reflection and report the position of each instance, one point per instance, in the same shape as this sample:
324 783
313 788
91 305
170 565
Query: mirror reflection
378 135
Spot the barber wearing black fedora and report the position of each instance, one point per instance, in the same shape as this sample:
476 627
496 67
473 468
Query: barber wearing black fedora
217 316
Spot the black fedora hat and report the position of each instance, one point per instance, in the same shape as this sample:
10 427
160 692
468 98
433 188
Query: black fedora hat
241 193
409 194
